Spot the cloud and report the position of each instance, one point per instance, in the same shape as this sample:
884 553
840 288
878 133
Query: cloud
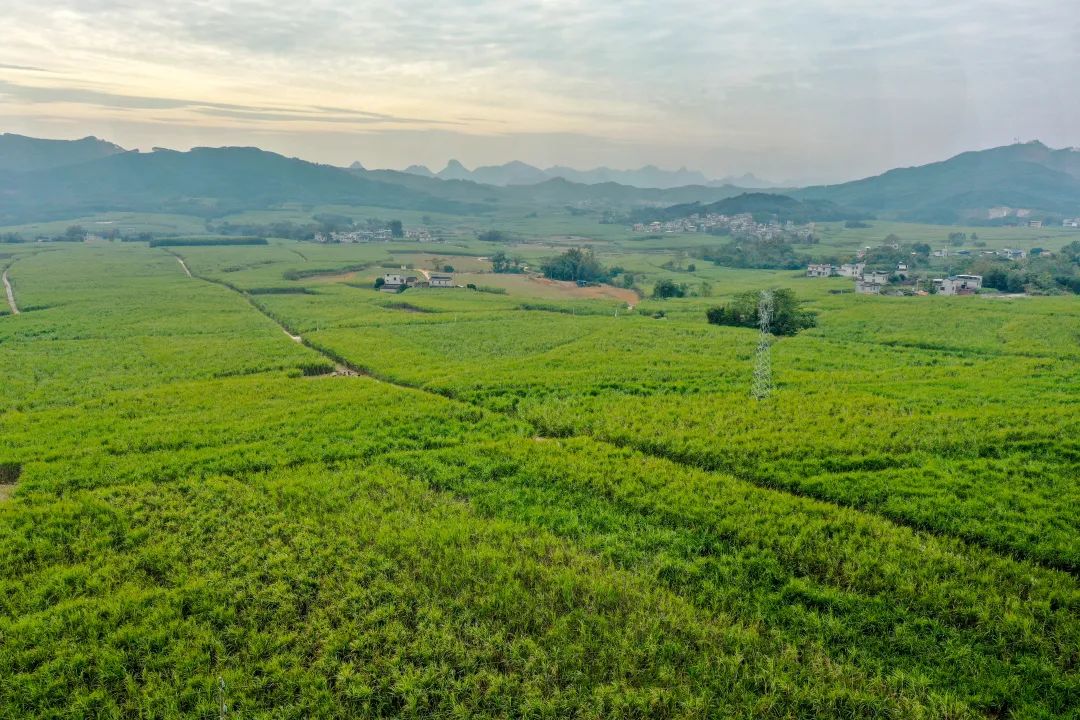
841 85
67 94
30 68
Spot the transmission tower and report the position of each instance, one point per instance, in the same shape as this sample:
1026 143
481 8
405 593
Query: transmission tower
762 385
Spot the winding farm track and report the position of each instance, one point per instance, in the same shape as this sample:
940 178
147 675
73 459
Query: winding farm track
183 265
346 367
10 294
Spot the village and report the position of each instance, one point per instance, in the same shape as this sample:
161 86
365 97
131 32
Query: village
897 281
373 235
742 225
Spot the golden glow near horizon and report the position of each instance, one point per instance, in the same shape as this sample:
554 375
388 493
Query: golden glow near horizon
792 89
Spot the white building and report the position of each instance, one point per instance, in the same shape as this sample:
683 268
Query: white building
440 280
851 270
958 284
396 282
871 283
817 270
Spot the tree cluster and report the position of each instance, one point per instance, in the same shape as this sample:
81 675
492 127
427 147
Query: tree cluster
788 315
504 264
775 254
576 264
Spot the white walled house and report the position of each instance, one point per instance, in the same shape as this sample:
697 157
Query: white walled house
851 270
816 270
958 284
871 283
440 280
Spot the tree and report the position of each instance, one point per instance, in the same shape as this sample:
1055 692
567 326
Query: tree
379 282
493 236
1072 251
668 288
788 315
74 233
957 238
575 264
396 229
503 263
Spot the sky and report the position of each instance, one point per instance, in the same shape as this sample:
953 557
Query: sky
791 90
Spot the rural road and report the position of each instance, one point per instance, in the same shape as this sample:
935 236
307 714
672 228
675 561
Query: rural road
10 295
183 265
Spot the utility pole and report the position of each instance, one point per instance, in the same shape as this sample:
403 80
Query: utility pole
762 385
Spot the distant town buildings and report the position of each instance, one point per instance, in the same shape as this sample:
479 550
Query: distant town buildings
742 225
1071 222
365 236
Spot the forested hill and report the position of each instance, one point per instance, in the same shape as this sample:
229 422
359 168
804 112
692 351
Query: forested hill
19 153
1028 175
203 181
781 207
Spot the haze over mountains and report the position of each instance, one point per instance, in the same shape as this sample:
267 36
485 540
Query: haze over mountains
52 179
516 172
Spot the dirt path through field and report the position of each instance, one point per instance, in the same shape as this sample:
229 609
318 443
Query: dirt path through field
10 295
183 265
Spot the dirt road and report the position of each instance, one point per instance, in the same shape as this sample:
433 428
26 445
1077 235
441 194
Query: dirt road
10 295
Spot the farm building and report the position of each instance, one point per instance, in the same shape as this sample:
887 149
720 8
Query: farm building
958 284
396 282
871 283
815 270
443 280
850 270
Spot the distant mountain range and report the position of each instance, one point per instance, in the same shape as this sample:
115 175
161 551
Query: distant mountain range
519 173
52 179
203 181
1028 175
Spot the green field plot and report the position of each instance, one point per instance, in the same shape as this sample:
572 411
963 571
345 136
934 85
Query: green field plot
452 503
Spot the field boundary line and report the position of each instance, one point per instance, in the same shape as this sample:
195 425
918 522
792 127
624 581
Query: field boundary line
649 450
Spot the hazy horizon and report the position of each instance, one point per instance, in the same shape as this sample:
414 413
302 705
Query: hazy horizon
825 91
